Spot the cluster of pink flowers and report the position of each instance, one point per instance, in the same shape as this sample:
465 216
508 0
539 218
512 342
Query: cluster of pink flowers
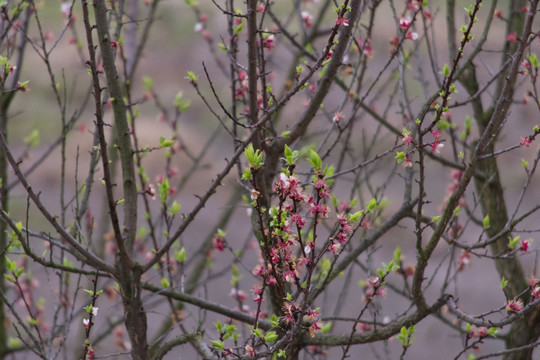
342 236
244 84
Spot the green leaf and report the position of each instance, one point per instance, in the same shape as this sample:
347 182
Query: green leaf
372 205
165 283
163 189
253 157
504 283
218 344
326 328
524 163
485 222
270 336
181 104
148 83
238 29
175 207
180 255
400 156
290 156
33 139
192 77
356 216
314 159
247 174
165 143
446 70
397 256
512 243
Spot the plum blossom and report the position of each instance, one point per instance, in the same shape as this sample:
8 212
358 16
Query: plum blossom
337 116
151 190
526 141
411 35
342 21
306 18
219 243
407 137
524 245
437 147
65 8
407 163
405 22
535 293
199 27
479 332
86 323
514 305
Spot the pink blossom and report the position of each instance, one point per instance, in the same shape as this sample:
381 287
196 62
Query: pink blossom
343 206
321 209
335 248
535 293
524 245
512 38
407 139
437 147
297 219
342 21
479 332
150 190
498 14
238 294
65 8
407 163
464 259
199 27
306 18
411 35
526 141
337 116
413 6
436 134
405 22
514 305
219 243
269 42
